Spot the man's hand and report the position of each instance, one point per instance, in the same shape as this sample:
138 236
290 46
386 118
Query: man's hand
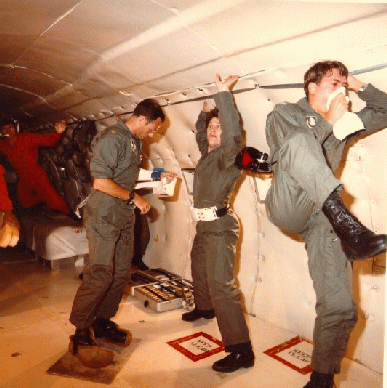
353 83
338 107
141 203
60 127
168 175
227 84
206 107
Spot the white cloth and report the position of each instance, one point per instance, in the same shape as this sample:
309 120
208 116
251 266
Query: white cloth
349 123
160 188
144 175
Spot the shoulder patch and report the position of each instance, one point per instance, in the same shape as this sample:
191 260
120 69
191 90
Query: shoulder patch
311 121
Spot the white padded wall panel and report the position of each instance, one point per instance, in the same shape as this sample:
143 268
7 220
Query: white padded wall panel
283 293
180 133
254 107
171 237
366 344
247 262
172 233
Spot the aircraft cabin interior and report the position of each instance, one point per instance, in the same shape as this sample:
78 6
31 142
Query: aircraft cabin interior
84 66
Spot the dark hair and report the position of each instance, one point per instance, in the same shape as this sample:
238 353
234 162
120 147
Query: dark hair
149 108
316 73
211 114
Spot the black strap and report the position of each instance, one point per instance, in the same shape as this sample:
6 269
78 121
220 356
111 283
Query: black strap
221 212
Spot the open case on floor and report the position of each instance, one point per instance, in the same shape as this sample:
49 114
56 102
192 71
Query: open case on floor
161 290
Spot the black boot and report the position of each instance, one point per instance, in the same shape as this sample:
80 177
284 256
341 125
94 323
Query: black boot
137 261
197 314
235 361
107 329
358 242
320 380
81 337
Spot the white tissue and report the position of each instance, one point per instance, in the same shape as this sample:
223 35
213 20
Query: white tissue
349 123
336 93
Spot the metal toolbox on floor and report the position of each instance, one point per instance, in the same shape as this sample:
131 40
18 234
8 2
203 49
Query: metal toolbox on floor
161 290
152 296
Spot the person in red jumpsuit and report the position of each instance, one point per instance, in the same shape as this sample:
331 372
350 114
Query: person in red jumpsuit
34 186
9 225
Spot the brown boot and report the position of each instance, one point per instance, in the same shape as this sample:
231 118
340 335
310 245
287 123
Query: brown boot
91 355
358 242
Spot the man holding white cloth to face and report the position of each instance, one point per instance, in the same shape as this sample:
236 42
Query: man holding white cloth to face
306 141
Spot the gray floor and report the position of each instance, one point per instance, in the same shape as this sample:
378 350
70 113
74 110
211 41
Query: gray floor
35 303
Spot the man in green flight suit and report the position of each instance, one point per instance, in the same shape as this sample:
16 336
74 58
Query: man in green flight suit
306 143
109 218
217 229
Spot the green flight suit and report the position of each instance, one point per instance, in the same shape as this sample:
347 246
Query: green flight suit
307 155
109 228
213 251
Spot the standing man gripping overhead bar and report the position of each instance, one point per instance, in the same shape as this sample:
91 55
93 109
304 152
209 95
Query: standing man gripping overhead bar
217 230
306 143
109 217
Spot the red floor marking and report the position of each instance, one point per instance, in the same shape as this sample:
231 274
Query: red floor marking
294 353
197 346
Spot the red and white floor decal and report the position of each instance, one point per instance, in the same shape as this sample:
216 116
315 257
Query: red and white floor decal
295 353
197 346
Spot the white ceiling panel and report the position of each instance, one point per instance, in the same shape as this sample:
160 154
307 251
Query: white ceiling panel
100 24
48 56
137 49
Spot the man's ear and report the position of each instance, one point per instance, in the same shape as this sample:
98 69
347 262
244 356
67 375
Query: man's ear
312 88
142 120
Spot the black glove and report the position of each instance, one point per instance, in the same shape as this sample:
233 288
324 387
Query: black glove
251 159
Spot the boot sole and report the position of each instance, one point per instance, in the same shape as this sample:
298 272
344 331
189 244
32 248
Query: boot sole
196 319
377 251
230 370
